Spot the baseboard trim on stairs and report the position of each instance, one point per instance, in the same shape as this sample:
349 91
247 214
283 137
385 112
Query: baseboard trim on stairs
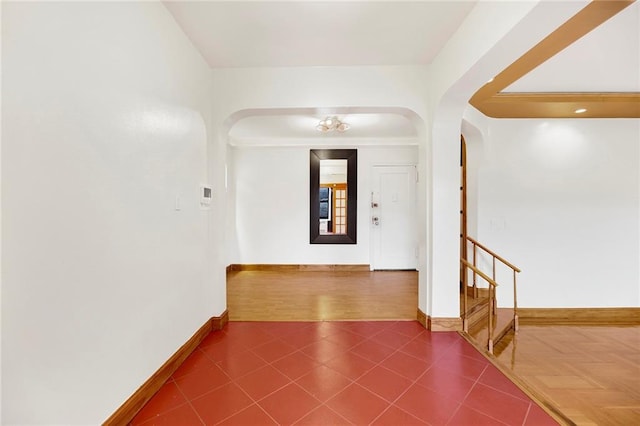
292 267
579 316
127 411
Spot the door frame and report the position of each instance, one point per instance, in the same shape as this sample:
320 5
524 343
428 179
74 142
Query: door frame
463 214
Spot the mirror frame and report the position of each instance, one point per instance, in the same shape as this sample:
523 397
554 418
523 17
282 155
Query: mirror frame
315 155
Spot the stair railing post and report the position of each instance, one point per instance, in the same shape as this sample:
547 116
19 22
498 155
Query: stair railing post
495 303
490 320
475 265
515 303
465 319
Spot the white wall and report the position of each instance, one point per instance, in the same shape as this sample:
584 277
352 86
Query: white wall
492 36
561 200
239 89
437 94
1 79
238 93
104 124
270 190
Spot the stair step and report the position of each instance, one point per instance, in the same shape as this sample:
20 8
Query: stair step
503 323
477 309
472 301
478 314
504 343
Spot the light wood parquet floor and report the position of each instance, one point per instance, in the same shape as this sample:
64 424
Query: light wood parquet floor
591 374
318 296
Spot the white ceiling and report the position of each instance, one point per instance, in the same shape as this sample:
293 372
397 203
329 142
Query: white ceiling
605 60
237 33
318 33
299 129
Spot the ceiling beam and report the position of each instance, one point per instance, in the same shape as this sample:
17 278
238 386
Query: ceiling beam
491 101
562 105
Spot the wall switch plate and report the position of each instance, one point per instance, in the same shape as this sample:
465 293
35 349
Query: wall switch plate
206 195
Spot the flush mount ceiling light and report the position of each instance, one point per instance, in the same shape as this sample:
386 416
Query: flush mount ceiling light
580 110
332 123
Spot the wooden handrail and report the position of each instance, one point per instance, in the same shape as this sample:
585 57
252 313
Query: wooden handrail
492 297
493 305
479 272
492 253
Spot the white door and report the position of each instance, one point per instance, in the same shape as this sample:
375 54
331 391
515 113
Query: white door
393 218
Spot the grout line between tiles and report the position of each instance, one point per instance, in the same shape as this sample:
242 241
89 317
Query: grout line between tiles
190 404
441 349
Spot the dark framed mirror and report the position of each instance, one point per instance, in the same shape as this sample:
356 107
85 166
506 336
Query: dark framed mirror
333 196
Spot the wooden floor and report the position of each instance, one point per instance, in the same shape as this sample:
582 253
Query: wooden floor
317 296
589 374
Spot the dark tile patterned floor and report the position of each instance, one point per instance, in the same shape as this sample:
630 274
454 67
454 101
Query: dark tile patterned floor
338 373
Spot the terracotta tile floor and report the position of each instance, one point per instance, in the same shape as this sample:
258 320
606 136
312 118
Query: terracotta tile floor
338 373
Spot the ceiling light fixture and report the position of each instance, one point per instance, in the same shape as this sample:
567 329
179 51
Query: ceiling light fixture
332 123
580 110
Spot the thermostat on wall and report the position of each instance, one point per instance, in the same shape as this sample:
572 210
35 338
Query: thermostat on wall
205 196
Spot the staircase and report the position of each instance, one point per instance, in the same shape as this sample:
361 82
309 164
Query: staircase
482 320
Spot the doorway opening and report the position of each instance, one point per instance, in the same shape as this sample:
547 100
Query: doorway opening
463 211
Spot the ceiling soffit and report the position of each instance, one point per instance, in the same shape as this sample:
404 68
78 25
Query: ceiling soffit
297 127
493 101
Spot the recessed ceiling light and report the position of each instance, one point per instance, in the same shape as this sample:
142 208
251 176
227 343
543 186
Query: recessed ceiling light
580 110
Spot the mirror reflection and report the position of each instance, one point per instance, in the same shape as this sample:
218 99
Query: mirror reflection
333 197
